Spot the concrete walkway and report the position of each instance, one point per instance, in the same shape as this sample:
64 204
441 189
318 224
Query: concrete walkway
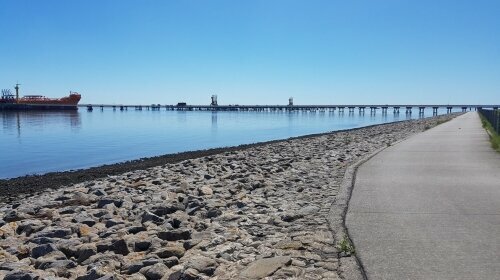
429 207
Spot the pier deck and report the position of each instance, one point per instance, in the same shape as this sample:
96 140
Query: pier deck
350 107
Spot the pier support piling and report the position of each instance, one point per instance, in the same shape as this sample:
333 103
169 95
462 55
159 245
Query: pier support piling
435 111
421 110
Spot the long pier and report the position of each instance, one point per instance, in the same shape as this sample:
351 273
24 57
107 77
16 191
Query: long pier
407 108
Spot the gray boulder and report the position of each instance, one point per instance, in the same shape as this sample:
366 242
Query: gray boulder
20 275
42 250
105 201
264 267
149 216
85 251
155 272
171 251
174 235
120 247
202 264
53 232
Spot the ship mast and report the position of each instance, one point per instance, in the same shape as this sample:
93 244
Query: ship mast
17 92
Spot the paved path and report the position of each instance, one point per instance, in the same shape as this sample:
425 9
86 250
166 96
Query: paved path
429 207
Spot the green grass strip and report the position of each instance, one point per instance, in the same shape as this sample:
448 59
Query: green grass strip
494 137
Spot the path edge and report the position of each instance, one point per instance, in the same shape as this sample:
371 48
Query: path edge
350 267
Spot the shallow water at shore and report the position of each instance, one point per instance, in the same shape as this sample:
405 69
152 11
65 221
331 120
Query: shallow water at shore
40 142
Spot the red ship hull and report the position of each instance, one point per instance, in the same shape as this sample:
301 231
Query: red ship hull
38 102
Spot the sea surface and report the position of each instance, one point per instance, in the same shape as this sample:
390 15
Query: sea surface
41 142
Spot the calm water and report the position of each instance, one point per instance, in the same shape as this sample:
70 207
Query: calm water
40 142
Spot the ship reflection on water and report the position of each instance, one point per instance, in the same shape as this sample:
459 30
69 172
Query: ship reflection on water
18 121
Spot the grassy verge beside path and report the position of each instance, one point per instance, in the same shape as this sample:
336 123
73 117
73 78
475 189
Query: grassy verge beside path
494 137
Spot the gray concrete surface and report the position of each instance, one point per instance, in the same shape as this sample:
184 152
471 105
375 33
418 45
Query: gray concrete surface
429 207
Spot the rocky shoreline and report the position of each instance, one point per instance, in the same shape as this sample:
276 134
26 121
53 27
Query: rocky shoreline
263 211
12 189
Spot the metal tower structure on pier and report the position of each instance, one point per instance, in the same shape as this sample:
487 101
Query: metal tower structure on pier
214 100
17 92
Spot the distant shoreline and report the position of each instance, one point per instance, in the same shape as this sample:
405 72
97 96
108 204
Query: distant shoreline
30 184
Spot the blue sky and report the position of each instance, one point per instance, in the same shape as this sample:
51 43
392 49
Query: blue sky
254 52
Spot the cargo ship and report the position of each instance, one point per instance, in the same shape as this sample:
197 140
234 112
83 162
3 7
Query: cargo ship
9 101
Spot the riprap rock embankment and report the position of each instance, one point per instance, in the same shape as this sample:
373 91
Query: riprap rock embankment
259 212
